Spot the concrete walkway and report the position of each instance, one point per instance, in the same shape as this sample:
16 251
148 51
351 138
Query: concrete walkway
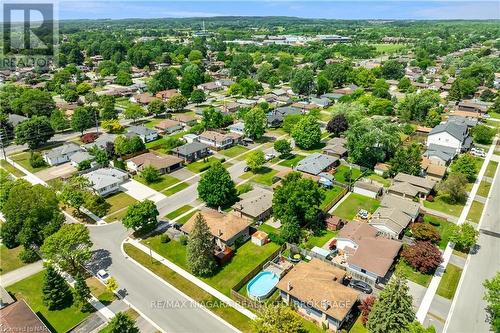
436 279
209 289
21 273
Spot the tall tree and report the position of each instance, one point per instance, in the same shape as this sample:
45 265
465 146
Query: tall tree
273 318
164 79
34 102
177 103
70 247
200 248
283 147
337 125
83 118
464 236
492 297
216 187
55 290
255 160
466 165
303 82
34 132
121 323
58 120
134 112
307 133
393 311
407 160
454 186
82 292
255 123
423 256
141 216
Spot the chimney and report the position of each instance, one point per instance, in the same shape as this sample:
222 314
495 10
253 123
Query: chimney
220 232
289 286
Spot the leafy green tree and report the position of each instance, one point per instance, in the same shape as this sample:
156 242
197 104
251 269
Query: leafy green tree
83 118
191 77
393 69
58 120
55 291
283 147
303 82
123 78
141 216
74 192
492 297
404 84
69 247
416 327
433 118
363 77
111 285
464 236
466 165
177 103
241 65
273 318
393 311
34 132
195 55
150 174
381 89
83 88
124 145
483 134
454 187
255 160
416 106
214 119
107 67
198 96
33 102
216 187
200 248
164 79
82 292
289 122
255 123
407 160
107 109
338 74
296 203
307 133
462 88
322 85
157 107
134 112
380 106
121 323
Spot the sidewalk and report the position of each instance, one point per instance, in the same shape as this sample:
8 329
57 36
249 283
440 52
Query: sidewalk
436 279
191 278
21 273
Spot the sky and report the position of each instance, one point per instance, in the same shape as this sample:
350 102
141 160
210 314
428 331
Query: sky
333 9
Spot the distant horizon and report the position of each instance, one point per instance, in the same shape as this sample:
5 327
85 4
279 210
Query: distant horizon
333 10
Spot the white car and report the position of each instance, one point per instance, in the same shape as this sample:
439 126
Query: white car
103 275
478 153
269 157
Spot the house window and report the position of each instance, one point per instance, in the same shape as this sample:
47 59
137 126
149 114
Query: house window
363 270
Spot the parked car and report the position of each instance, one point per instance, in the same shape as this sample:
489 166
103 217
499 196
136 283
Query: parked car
478 153
246 169
269 157
103 275
361 286
486 116
363 214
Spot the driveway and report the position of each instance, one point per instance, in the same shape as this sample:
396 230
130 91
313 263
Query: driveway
140 191
56 171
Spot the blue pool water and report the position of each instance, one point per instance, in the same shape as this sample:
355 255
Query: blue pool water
262 284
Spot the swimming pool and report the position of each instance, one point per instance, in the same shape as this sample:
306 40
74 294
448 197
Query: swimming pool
262 285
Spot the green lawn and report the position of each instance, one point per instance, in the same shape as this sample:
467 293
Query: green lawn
444 227
11 169
384 181
153 122
10 259
491 169
449 281
177 188
229 314
263 176
389 48
330 195
118 201
475 212
342 174
358 327
413 275
440 204
245 259
291 162
350 206
156 143
99 291
200 165
321 239
164 182
24 160
178 211
186 217
30 289
233 151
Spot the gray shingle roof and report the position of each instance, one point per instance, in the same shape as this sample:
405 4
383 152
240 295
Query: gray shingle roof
442 152
455 129
190 148
316 163
140 130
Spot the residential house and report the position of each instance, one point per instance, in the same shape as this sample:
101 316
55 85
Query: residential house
218 140
440 155
316 291
320 102
19 317
317 163
168 126
336 147
80 157
192 151
166 94
431 170
209 86
256 205
61 154
381 168
164 164
102 142
276 116
368 255
143 99
370 188
411 186
472 106
230 107
185 119
394 215
105 181
260 238
146 134
450 134
238 128
226 228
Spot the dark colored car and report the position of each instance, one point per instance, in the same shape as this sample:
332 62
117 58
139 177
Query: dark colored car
361 286
246 169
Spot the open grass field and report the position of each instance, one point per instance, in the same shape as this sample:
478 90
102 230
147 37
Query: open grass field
389 48
30 289
10 259
449 281
349 208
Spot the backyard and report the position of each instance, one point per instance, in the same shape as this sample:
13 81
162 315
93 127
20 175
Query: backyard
349 208
330 195
30 289
342 174
320 239
119 203
377 178
263 176
449 281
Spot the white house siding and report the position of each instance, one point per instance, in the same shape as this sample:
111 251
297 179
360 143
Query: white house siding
444 139
368 277
386 231
364 192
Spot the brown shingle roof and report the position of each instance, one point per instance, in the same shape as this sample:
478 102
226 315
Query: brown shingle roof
19 317
317 283
158 162
167 123
375 255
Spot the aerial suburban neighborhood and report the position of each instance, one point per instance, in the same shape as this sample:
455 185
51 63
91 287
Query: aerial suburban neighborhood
277 171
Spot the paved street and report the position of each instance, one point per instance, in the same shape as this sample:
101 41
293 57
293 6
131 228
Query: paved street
468 314
143 289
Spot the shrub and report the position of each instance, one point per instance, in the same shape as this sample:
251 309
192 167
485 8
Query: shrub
28 256
150 174
366 307
120 164
37 161
89 137
430 198
423 256
425 232
164 238
84 165
183 240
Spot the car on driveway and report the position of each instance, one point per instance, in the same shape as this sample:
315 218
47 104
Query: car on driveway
361 286
103 275
269 157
